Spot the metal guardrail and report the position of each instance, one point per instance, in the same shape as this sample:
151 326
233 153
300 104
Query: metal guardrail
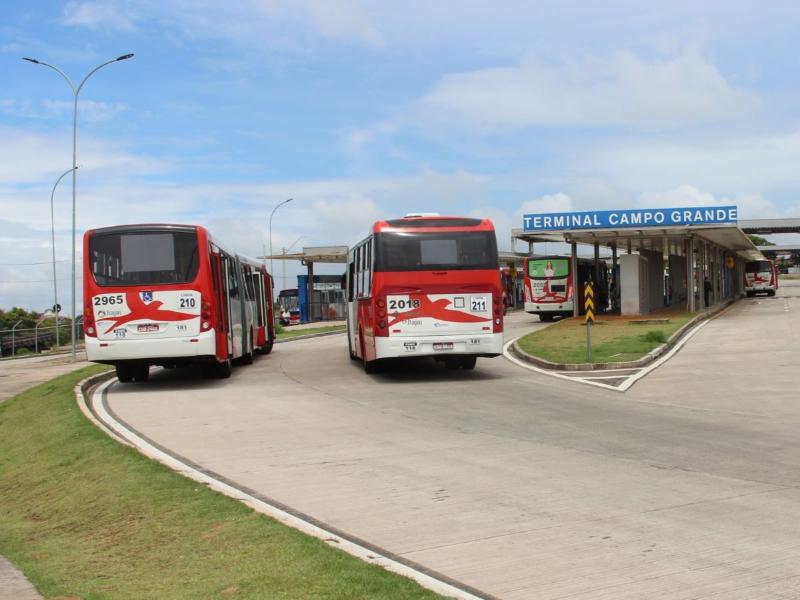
34 339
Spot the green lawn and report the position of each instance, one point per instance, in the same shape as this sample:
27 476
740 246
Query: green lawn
84 517
614 339
288 332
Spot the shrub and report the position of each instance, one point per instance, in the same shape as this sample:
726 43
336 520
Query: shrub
655 336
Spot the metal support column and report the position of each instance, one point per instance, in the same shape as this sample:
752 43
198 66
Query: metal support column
576 291
690 276
310 289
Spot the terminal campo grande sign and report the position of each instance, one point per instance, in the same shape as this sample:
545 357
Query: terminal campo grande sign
638 217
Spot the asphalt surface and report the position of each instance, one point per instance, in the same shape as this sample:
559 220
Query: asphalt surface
519 484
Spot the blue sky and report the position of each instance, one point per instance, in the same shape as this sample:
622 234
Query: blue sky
366 110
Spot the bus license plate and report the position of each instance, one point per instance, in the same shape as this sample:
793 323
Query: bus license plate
443 345
147 327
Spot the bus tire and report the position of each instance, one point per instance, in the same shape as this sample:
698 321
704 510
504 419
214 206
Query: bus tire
267 347
452 363
124 373
468 362
371 366
141 373
545 317
223 369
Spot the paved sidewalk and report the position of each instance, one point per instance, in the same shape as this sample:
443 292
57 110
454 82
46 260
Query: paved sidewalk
16 376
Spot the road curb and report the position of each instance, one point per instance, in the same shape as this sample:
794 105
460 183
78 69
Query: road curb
646 360
294 338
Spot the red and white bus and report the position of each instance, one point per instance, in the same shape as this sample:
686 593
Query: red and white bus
171 295
550 285
425 286
760 277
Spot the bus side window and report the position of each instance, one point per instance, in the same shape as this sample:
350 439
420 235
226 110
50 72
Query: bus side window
368 268
233 284
351 278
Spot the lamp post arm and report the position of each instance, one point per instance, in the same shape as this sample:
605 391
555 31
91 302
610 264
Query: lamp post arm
57 70
92 72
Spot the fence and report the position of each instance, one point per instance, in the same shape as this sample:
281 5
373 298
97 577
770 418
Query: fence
35 339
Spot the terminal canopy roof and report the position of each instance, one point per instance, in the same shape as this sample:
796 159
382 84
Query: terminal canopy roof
315 254
729 237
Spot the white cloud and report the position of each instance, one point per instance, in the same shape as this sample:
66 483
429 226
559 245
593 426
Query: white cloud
623 90
89 110
28 157
743 163
98 15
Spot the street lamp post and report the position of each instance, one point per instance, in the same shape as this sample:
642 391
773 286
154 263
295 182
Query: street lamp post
75 92
277 206
56 307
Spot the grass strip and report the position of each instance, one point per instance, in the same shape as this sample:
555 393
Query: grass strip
289 332
613 339
86 518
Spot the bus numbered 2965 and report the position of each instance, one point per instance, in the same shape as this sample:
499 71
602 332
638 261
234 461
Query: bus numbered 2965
171 295
425 286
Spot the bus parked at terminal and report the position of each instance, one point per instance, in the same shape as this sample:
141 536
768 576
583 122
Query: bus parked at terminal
550 285
425 285
171 295
760 277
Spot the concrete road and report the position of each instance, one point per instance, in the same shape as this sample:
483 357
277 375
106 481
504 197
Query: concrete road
518 484
19 374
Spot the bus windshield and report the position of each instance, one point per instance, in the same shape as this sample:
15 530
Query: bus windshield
758 266
546 268
143 257
437 250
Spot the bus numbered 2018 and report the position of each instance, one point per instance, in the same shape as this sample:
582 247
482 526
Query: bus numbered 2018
425 286
170 295
760 277
550 285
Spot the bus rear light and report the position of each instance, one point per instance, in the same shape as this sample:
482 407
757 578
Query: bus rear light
88 321
206 325
381 303
382 324
205 310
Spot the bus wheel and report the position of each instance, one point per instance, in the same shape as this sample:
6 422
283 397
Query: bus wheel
267 348
468 362
141 373
124 373
223 369
545 317
452 363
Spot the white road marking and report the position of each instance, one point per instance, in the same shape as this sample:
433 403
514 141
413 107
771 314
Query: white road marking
589 376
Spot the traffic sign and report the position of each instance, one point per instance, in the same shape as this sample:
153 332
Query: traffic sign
56 308
588 301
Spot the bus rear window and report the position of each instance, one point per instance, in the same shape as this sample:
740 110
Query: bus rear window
143 258
452 250
758 266
546 268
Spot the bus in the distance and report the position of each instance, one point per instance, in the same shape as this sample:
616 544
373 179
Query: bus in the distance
170 295
425 285
550 285
760 277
